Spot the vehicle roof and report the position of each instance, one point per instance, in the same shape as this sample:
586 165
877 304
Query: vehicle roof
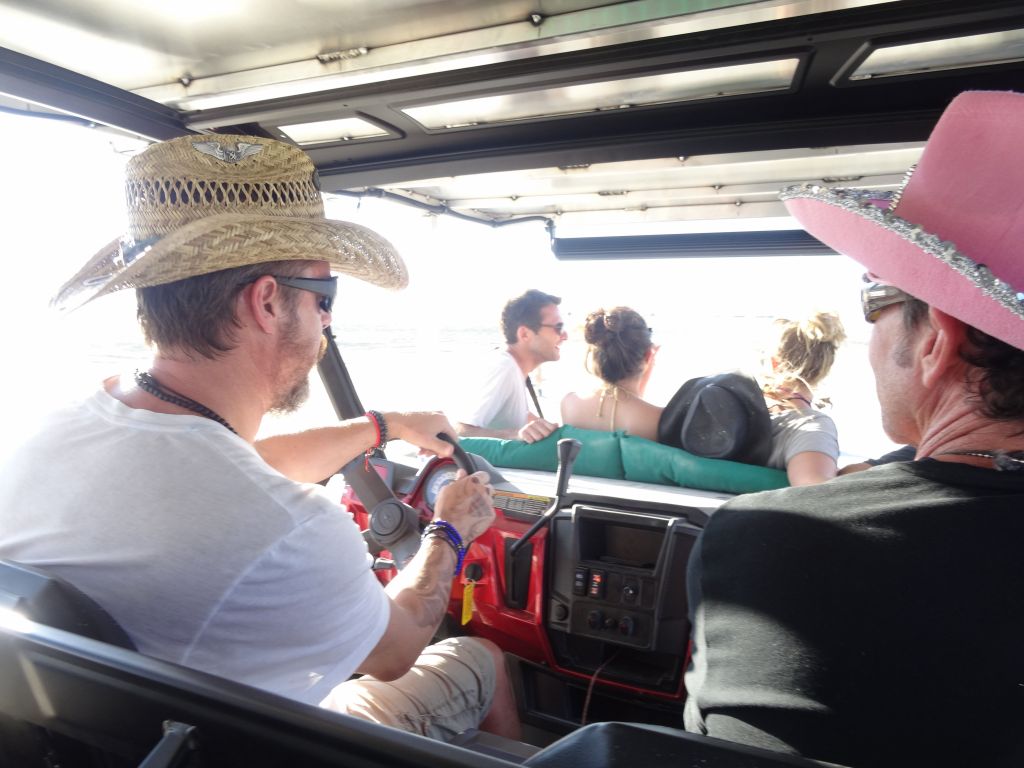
633 113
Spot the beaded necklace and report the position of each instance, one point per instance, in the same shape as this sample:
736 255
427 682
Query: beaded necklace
146 382
1006 461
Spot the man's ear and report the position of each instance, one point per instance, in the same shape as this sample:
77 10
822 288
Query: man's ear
523 333
261 302
942 343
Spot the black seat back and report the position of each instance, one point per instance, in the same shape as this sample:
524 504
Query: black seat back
623 745
118 702
50 600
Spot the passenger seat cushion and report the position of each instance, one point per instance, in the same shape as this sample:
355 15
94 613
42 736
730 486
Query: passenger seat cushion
620 456
599 457
648 462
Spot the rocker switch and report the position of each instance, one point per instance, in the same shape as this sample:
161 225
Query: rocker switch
579 581
596 589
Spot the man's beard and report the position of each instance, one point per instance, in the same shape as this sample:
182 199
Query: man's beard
293 381
290 400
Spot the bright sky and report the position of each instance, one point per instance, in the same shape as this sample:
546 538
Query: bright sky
62 199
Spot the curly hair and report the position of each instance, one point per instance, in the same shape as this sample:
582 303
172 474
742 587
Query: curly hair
525 310
997 374
619 340
196 316
807 348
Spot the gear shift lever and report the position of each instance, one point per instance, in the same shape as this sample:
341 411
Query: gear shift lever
517 569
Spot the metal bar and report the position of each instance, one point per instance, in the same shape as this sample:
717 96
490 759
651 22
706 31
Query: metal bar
23 77
787 242
340 388
173 749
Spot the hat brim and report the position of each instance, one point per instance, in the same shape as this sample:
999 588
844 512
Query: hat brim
230 240
914 260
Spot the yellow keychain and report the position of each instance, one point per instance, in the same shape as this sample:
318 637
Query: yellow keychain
467 601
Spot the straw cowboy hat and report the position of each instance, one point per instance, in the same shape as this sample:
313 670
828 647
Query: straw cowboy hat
953 235
199 204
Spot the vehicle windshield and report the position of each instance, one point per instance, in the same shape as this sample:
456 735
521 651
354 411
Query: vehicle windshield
418 348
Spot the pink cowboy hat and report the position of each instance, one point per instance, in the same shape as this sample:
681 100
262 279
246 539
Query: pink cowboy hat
953 236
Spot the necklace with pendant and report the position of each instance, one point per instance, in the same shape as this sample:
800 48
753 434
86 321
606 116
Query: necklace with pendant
146 382
1005 461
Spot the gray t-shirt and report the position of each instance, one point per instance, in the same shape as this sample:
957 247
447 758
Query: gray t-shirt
794 432
205 555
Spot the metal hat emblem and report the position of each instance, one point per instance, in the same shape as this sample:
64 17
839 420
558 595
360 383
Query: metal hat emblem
223 152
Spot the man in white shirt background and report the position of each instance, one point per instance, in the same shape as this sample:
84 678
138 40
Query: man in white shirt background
534 332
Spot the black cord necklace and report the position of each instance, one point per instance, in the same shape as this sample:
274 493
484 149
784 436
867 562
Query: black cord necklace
1006 461
146 382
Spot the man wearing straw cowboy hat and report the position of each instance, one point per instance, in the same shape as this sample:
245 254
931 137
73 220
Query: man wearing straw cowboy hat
876 620
210 550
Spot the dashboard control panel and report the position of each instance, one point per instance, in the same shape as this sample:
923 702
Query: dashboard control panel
620 577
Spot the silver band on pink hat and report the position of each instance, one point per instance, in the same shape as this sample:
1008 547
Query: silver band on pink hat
859 202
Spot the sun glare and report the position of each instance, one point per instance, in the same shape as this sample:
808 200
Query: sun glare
62 193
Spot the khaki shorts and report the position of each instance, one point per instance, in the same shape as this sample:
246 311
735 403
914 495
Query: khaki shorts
448 690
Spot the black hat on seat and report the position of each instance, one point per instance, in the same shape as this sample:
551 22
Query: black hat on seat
720 417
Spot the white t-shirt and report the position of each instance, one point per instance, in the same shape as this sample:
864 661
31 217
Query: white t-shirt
500 400
202 552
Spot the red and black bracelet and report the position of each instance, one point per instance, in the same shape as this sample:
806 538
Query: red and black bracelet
381 428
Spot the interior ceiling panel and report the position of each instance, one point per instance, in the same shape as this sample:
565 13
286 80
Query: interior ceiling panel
346 78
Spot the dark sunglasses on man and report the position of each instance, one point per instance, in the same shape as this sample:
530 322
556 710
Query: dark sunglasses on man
325 287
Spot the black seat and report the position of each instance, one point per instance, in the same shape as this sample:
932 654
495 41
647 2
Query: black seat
121 704
50 600
47 599
615 745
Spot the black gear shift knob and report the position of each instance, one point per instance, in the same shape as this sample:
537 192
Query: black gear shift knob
568 450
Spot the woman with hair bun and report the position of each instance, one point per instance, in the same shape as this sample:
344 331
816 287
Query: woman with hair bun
804 440
621 354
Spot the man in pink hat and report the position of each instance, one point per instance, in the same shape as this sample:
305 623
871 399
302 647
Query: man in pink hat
875 620
210 548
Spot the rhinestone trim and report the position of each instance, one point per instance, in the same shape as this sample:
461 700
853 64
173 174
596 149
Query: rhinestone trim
903 185
856 202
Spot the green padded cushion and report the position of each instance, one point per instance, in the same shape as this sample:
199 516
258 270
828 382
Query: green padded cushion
600 455
648 462
621 456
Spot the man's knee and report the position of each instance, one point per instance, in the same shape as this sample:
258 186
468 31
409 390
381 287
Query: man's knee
496 654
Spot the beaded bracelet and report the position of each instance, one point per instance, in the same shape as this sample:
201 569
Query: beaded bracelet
380 427
444 530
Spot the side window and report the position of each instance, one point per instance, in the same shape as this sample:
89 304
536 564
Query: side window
415 349
61 197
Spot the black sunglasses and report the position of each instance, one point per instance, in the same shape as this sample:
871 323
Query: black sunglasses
558 327
326 287
875 297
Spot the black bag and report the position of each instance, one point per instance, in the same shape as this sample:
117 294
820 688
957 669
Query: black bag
720 417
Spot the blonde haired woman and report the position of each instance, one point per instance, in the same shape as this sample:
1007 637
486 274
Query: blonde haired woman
621 354
804 440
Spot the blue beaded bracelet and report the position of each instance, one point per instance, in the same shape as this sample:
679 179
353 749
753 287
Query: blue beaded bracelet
446 531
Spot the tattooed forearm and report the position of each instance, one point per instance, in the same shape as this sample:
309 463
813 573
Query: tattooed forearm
426 583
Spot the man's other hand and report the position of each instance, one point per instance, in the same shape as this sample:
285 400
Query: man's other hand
536 430
420 428
466 503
